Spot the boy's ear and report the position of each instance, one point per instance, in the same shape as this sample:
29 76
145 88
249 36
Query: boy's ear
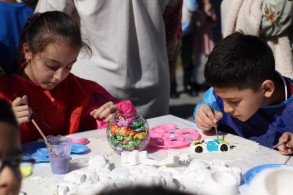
268 88
26 51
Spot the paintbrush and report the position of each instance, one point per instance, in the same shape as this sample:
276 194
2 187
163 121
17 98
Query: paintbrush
51 148
287 160
216 128
279 144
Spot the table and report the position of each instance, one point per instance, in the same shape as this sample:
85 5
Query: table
263 156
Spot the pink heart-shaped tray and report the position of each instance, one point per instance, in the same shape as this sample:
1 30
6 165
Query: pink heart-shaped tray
169 136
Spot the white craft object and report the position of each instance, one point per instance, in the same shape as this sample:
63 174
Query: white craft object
196 165
66 188
90 175
140 157
84 186
134 158
135 169
96 188
220 183
119 173
235 171
148 179
103 174
76 177
98 162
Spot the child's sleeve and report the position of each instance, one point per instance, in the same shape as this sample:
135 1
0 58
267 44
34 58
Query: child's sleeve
125 106
210 99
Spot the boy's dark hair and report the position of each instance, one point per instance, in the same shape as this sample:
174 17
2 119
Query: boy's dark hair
41 29
6 113
240 61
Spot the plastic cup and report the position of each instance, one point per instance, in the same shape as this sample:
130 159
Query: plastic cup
59 156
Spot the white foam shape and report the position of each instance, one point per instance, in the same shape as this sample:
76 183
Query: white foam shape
148 180
124 157
133 157
76 177
235 171
119 183
95 188
148 169
152 162
177 173
120 173
197 176
220 183
62 190
221 168
190 186
217 163
197 164
171 161
67 188
90 175
143 154
184 158
169 180
97 162
135 170
84 185
104 178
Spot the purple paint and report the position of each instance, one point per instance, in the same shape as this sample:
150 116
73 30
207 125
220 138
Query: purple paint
59 164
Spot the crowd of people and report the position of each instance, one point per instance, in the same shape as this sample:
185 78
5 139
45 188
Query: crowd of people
75 64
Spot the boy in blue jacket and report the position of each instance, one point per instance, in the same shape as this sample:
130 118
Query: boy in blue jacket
248 96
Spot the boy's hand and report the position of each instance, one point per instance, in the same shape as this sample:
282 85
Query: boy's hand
287 147
106 111
205 118
21 109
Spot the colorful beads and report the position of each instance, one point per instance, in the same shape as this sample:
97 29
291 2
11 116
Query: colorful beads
128 132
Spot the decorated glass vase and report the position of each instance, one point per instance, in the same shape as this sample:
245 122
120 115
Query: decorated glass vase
127 132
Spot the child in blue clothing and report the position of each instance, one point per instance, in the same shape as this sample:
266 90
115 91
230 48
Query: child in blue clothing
13 18
248 96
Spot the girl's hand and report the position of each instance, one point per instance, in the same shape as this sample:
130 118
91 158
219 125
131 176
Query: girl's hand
21 109
205 118
106 111
287 147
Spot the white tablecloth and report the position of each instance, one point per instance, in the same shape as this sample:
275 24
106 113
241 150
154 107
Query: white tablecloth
42 170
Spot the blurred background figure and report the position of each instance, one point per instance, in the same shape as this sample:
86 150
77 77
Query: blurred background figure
188 9
32 3
204 19
13 15
10 151
198 20
271 20
133 44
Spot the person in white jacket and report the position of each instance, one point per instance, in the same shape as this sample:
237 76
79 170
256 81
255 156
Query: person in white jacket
271 20
132 43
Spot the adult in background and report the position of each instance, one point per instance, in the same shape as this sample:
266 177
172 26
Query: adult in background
270 20
188 10
133 42
13 16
